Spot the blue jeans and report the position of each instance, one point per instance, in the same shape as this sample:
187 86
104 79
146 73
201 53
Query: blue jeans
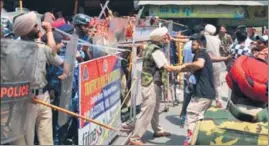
187 99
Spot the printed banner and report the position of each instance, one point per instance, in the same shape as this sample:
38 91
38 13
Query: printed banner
99 98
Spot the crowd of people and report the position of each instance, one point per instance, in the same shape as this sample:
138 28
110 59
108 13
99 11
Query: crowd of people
206 53
203 64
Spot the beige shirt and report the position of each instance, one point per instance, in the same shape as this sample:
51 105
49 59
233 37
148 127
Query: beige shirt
159 58
44 55
213 47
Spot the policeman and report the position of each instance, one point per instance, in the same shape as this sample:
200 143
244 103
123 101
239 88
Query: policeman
154 63
40 117
81 24
54 84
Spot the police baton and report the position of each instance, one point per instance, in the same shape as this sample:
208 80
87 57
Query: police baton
73 114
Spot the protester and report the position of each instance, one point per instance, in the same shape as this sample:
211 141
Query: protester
243 28
212 47
226 41
40 117
151 81
189 79
204 92
262 48
240 48
251 33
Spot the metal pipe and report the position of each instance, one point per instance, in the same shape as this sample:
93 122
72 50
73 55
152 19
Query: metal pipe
98 46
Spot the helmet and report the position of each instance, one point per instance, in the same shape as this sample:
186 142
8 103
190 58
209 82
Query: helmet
81 19
6 27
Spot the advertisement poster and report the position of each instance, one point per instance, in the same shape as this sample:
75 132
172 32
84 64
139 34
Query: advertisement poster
99 99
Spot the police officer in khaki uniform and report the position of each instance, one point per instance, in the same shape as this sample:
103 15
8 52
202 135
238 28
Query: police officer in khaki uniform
40 117
154 62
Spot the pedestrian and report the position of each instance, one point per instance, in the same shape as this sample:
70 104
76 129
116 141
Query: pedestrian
204 90
151 80
40 117
213 49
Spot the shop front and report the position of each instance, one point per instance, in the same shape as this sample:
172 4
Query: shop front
232 13
255 17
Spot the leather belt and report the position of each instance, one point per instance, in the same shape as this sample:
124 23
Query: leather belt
40 91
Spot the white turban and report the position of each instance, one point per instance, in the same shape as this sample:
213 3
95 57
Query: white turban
158 33
211 29
24 24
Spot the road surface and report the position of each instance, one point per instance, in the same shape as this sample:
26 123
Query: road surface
170 122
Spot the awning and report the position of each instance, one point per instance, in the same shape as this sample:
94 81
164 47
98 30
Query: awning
186 2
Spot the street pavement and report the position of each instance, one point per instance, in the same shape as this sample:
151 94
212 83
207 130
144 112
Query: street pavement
170 122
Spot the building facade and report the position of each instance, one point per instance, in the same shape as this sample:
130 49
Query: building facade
229 13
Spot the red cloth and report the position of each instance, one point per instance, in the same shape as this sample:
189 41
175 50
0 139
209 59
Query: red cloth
58 23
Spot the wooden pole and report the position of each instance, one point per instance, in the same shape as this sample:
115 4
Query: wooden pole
76 7
103 9
180 58
21 6
73 114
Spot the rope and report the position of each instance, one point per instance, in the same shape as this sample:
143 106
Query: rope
117 113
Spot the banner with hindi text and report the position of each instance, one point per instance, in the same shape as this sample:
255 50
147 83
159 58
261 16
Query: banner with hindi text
99 98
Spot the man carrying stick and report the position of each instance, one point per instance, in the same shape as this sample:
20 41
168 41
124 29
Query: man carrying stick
40 116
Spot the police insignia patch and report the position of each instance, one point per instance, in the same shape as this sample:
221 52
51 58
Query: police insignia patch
85 73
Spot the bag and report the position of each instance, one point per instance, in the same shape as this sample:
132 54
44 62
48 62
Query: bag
250 75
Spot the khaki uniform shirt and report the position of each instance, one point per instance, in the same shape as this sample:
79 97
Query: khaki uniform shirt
44 55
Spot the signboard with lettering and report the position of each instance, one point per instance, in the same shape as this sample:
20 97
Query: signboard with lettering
248 22
14 100
99 98
176 11
11 91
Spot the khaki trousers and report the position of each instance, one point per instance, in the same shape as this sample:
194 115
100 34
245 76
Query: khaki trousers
40 117
151 97
196 110
217 84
